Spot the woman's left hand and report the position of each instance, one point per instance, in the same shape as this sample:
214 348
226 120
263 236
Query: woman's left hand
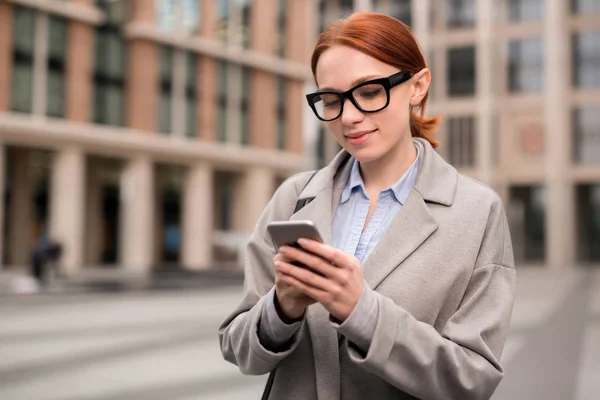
335 279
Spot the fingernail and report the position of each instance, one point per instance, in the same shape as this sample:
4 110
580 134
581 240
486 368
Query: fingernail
302 241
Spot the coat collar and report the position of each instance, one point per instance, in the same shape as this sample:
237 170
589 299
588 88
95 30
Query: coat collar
436 181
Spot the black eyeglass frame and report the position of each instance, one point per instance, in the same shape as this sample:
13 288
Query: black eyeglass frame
387 83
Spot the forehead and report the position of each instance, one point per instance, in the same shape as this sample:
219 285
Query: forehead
339 66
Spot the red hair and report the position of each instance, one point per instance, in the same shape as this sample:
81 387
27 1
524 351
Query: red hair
389 41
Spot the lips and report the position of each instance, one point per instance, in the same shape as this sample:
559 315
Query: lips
358 138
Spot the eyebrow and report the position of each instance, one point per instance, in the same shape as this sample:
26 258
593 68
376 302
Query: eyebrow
355 82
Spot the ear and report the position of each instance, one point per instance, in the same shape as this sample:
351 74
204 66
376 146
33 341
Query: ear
421 82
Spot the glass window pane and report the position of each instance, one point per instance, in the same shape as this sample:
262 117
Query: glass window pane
526 65
281 28
460 13
525 10
281 115
56 94
586 123
166 17
461 141
22 88
461 71
166 63
57 37
586 59
23 29
164 113
190 117
222 72
222 20
246 6
191 81
584 7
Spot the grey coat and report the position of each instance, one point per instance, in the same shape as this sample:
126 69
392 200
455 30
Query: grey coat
444 278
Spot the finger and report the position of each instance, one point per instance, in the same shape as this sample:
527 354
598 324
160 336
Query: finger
335 256
318 264
304 275
312 292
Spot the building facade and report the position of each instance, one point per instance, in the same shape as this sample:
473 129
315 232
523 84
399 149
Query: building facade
517 84
138 133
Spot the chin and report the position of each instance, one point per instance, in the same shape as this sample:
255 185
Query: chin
366 154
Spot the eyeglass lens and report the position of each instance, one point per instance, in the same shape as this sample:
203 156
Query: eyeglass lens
372 97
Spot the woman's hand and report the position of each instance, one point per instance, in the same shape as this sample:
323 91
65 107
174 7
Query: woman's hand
334 279
290 302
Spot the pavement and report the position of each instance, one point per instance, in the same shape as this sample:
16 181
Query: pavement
161 343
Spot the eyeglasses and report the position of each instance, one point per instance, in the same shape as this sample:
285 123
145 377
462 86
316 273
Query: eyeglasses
370 96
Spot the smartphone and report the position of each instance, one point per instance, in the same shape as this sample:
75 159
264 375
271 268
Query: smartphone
288 232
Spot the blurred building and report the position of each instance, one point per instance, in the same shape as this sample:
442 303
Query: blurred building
517 83
139 133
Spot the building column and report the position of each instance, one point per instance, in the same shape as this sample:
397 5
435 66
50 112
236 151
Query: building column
198 217
362 5
79 69
421 11
20 211
560 221
6 56
137 191
143 68
485 93
255 191
67 212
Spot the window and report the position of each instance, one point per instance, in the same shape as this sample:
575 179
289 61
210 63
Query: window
586 128
525 10
110 65
346 8
245 137
586 59
222 71
461 71
461 141
399 9
281 28
175 16
584 7
190 94
460 13
165 89
246 22
57 54
22 76
281 115
527 218
225 183
526 65
222 20
322 15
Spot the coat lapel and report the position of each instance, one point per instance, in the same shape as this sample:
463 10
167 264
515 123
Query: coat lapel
409 229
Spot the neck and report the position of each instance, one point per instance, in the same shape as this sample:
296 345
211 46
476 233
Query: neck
382 173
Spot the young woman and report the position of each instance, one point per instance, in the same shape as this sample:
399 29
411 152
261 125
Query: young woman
411 293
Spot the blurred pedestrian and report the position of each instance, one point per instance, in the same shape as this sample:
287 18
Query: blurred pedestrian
46 252
411 293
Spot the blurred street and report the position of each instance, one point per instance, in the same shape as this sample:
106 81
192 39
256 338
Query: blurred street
162 344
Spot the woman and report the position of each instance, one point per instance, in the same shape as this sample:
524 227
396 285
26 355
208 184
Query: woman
410 295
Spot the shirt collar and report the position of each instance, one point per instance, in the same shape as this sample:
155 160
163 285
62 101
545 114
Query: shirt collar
401 189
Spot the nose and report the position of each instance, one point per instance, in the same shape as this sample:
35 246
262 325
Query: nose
351 115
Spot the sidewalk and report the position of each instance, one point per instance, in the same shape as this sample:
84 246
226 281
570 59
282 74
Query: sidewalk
17 282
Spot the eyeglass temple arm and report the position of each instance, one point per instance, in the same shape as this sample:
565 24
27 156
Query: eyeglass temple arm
400 77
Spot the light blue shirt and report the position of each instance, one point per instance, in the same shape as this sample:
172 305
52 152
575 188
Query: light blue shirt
349 236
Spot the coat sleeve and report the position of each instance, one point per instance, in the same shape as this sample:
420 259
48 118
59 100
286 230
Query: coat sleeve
238 334
462 360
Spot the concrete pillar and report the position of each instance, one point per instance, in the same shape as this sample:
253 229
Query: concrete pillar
294 142
198 217
264 15
20 211
484 86
6 49
421 30
362 5
263 109
79 71
2 192
67 212
137 191
560 222
254 193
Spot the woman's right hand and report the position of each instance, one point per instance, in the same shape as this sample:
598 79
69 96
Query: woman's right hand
290 302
